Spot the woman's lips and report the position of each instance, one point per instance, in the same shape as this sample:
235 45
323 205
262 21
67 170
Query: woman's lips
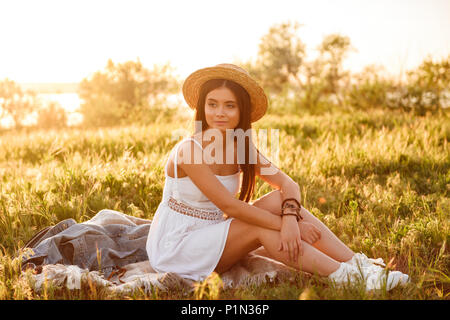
220 122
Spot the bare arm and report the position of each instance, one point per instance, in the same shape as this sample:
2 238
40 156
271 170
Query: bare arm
267 171
290 229
207 182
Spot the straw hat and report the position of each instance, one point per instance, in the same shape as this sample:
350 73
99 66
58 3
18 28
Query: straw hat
193 83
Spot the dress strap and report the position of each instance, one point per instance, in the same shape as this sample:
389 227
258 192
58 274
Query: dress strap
165 167
175 163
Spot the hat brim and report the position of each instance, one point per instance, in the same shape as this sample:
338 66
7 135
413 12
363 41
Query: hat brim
193 83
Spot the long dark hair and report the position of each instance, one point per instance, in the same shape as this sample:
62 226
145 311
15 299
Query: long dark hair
243 101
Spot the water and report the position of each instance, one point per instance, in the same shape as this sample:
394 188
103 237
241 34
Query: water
70 102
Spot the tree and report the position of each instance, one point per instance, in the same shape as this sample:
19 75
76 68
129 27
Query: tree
15 103
280 55
371 88
314 83
322 77
333 50
428 86
124 92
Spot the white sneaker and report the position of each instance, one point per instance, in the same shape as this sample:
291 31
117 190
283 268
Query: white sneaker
373 276
376 278
345 274
362 261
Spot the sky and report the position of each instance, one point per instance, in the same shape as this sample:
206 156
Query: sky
66 41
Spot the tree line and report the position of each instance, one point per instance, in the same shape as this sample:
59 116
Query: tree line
283 68
129 92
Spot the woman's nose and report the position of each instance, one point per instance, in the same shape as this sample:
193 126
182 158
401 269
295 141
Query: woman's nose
221 111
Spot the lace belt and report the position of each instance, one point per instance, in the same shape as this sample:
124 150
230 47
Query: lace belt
185 209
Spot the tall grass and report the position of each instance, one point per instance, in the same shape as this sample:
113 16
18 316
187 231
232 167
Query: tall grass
379 179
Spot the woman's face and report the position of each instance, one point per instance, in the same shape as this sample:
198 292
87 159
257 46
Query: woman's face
221 109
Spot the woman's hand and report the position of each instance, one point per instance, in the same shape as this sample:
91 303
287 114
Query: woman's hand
309 232
290 238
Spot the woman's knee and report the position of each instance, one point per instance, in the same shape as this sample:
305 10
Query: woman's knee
270 202
242 239
243 231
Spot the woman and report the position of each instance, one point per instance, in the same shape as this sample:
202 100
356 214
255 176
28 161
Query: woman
201 226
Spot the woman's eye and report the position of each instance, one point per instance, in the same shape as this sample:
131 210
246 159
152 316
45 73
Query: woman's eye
212 104
230 106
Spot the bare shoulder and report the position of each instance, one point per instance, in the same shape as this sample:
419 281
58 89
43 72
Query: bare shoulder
202 176
190 152
187 153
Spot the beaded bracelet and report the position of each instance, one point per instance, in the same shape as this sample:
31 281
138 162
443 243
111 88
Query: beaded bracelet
290 206
288 199
297 216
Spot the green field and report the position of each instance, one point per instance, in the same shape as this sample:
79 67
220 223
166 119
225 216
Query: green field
379 179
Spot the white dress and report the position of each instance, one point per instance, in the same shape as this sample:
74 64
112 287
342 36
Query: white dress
188 232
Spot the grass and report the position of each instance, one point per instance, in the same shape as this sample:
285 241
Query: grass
379 179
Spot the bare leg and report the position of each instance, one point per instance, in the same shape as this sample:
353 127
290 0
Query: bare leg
329 243
243 238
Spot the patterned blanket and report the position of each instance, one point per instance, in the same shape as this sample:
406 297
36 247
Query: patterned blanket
255 268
